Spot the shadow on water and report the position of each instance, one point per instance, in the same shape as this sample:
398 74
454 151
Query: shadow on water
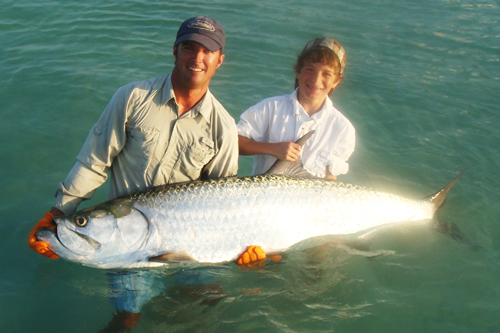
166 291
217 297
324 284
191 297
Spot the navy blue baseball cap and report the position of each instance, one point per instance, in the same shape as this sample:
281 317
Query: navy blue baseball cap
203 30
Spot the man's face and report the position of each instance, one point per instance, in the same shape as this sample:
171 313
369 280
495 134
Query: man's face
196 64
316 81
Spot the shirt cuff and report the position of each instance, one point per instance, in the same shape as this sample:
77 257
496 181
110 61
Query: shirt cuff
337 167
66 203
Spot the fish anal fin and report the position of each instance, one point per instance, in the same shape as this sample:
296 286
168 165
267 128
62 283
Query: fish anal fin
366 254
359 245
171 257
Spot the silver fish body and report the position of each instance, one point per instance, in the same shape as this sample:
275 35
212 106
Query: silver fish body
215 220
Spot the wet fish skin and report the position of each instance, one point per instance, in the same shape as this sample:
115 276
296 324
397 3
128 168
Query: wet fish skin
215 220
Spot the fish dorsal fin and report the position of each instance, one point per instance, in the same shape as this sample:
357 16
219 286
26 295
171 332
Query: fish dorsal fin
171 257
295 168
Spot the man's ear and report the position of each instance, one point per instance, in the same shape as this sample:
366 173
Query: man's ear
221 60
175 53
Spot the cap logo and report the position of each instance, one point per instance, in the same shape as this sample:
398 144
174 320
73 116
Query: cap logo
201 25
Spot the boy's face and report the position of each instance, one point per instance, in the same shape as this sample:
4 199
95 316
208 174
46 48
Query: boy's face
316 81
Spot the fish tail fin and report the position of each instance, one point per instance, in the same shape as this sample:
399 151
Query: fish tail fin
448 228
452 230
439 197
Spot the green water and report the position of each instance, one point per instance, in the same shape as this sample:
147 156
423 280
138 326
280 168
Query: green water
421 88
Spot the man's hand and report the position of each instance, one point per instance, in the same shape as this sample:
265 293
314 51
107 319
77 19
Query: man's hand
40 246
254 256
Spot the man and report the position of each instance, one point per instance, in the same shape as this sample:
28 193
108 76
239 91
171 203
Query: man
159 131
271 127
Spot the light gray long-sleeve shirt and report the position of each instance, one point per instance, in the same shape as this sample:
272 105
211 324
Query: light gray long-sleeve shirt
142 142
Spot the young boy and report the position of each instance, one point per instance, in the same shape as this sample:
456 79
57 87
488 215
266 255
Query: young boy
270 128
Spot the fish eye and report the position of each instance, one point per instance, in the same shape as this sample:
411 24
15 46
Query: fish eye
81 220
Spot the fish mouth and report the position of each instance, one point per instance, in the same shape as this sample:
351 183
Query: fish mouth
50 237
64 239
47 235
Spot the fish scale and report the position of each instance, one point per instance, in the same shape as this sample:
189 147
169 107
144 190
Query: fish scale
279 212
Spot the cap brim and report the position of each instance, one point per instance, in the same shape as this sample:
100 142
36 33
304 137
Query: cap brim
208 42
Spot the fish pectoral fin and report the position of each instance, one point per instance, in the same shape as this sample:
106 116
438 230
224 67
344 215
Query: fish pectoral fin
177 256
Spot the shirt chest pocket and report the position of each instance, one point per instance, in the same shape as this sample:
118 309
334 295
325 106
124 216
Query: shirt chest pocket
140 147
196 156
323 156
317 165
203 151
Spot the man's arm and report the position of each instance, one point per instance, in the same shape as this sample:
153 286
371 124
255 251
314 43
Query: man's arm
103 143
225 162
105 140
288 151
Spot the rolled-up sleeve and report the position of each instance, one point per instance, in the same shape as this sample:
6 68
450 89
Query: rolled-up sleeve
337 164
104 142
253 123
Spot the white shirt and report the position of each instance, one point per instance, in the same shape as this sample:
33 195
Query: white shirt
282 118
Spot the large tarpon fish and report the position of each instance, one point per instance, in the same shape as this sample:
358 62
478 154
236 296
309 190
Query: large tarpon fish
216 220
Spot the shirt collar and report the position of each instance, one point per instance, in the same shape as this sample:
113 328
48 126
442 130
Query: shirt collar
203 107
299 110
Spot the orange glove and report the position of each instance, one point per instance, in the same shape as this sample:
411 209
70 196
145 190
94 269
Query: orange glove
40 246
253 256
